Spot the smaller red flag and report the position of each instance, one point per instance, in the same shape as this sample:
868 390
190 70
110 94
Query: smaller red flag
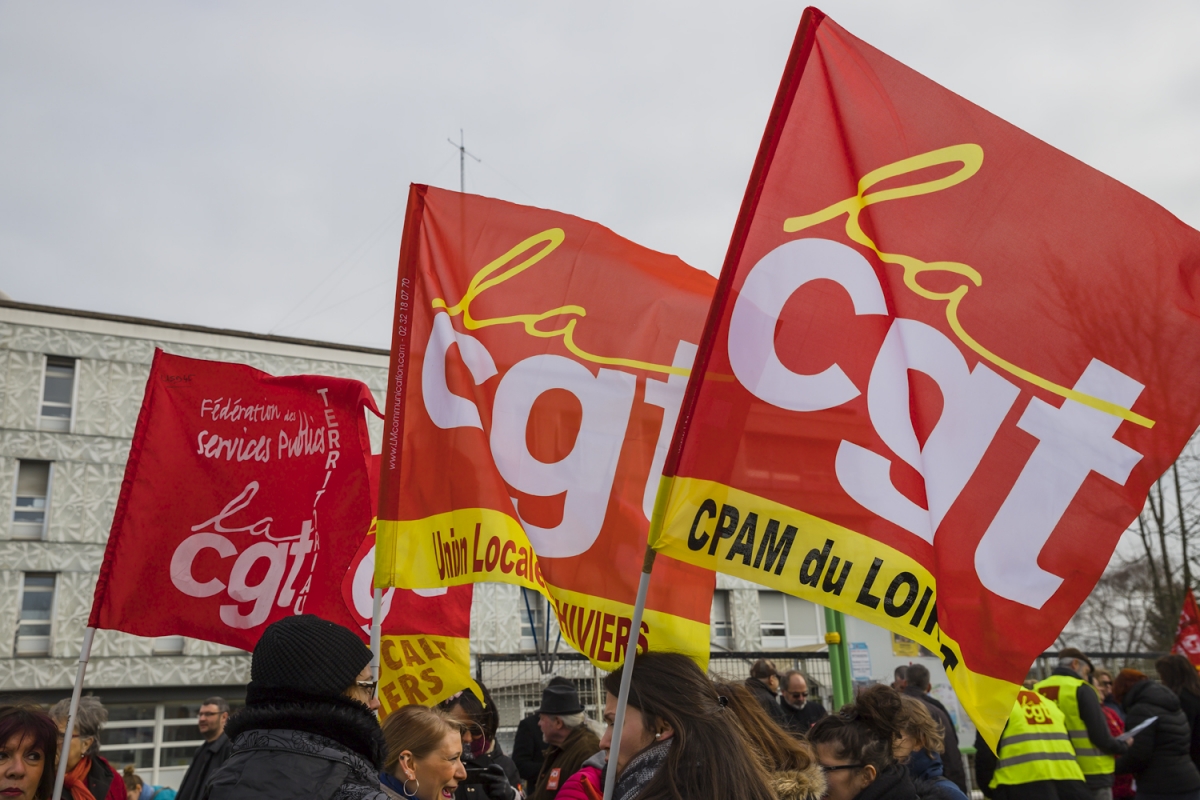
244 501
1187 637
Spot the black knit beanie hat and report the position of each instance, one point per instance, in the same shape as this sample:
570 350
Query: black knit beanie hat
307 656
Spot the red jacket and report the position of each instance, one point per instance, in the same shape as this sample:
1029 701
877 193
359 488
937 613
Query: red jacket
583 785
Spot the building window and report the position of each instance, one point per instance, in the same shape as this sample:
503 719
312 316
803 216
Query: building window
168 646
37 612
29 508
787 621
58 392
720 626
159 739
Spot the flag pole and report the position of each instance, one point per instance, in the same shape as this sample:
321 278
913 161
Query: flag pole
376 608
610 776
839 659
635 627
85 652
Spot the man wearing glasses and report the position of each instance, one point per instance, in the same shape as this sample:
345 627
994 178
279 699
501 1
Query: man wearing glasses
214 712
799 712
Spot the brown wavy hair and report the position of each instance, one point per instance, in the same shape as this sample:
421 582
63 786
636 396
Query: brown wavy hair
777 748
708 758
915 720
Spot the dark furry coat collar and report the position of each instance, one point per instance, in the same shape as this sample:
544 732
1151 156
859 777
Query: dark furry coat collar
345 721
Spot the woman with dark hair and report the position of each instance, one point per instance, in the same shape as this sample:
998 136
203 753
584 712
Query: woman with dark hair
487 766
27 749
795 774
854 748
1159 757
89 775
1178 675
679 739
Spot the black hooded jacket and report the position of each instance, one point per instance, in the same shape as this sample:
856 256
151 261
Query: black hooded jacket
328 748
1160 757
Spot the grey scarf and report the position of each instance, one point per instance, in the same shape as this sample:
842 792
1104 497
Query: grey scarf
640 770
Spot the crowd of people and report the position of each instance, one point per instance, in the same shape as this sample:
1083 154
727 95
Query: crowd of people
309 729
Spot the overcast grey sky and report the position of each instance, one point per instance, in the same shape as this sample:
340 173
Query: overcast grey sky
245 165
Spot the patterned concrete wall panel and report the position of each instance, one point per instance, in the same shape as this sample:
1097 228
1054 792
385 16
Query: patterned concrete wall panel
8 483
92 397
31 674
22 389
113 644
60 447
66 501
119 672
10 587
495 616
102 486
747 630
126 386
72 604
37 557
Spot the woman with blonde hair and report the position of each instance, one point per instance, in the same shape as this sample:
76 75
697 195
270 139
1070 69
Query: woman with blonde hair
918 745
424 755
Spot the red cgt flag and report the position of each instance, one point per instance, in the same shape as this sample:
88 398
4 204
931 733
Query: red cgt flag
425 647
1187 637
538 364
944 363
244 500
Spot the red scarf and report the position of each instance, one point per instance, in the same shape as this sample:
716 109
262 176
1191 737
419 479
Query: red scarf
76 780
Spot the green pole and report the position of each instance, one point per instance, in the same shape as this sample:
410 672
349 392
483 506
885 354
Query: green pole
839 658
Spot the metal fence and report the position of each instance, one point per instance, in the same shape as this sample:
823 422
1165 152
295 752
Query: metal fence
516 680
1114 662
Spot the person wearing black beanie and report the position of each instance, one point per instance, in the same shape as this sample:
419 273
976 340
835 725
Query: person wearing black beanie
309 727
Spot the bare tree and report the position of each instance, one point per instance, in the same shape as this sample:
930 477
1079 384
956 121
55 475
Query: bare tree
1136 603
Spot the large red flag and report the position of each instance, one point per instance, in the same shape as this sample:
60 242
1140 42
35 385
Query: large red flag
244 500
425 647
944 363
1187 636
539 361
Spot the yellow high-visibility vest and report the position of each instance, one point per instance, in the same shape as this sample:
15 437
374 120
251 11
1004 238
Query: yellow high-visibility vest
1035 745
1061 689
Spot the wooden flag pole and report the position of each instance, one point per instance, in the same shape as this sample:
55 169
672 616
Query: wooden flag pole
376 624
85 652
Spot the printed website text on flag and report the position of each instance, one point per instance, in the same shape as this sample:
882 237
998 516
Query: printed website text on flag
538 365
945 362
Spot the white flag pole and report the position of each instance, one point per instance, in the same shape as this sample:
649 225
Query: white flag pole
639 605
376 608
85 653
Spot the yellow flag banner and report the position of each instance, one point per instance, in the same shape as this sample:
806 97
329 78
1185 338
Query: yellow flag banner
425 636
943 367
538 366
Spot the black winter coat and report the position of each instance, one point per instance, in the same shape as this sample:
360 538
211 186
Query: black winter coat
1191 710
330 749
1160 757
768 699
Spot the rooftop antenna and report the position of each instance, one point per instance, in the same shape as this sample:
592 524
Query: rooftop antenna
462 160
